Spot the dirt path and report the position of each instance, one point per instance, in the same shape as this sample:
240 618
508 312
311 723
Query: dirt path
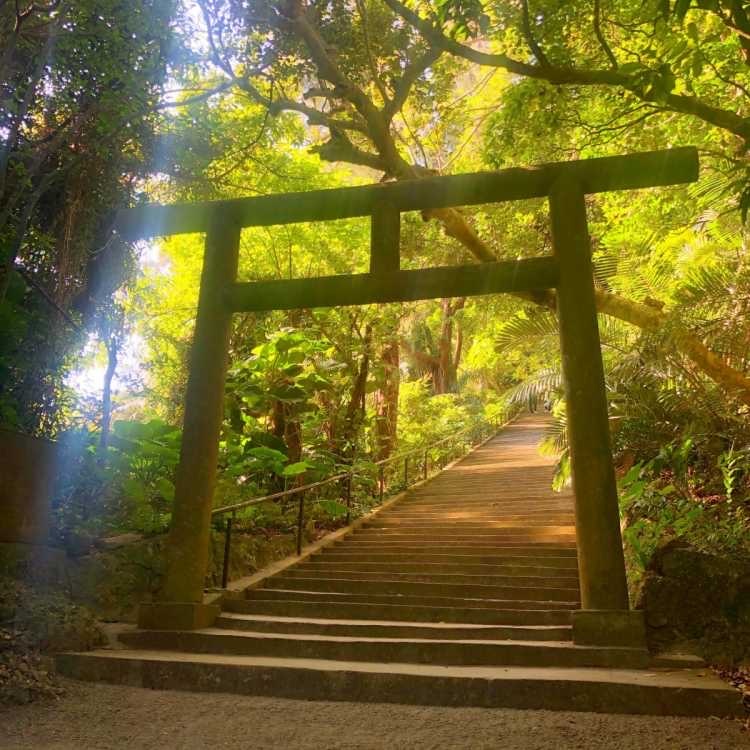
95 717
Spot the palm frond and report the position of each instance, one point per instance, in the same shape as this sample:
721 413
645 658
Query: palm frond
523 328
704 284
555 439
605 265
711 189
540 385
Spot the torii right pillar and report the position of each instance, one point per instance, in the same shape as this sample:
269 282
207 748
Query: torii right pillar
605 617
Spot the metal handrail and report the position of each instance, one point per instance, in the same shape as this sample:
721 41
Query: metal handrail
336 477
276 495
348 476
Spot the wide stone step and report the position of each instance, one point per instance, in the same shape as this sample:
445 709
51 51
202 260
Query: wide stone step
471 528
384 650
542 533
687 693
458 509
398 587
392 629
299 593
461 542
473 520
479 550
405 612
308 571
432 496
462 539
448 564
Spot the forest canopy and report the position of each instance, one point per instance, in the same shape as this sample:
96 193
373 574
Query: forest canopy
105 105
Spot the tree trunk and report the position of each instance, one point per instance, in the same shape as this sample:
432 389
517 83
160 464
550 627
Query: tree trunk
386 400
445 373
109 374
354 410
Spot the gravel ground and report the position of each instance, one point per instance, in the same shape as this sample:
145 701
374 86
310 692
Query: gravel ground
112 716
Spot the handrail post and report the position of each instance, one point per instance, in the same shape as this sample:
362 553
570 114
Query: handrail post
348 498
227 549
300 520
381 482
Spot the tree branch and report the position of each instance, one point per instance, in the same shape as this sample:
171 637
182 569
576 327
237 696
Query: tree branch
361 8
600 36
681 103
411 74
534 46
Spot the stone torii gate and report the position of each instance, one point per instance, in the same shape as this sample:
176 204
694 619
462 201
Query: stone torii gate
605 617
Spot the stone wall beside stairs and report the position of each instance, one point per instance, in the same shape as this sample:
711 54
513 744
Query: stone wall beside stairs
697 602
112 579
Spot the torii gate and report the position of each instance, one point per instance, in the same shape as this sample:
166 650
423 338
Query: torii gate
605 617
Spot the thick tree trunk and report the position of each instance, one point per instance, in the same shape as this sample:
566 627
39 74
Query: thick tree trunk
386 400
445 375
355 409
287 429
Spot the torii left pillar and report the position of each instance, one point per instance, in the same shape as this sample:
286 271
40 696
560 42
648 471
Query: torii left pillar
181 606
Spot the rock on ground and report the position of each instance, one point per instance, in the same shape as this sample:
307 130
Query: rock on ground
112 716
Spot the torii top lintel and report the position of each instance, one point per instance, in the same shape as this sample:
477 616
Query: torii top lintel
628 172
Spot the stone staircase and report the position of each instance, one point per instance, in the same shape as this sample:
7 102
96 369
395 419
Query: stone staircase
461 593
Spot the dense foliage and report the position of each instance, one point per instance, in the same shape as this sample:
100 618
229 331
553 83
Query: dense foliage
288 96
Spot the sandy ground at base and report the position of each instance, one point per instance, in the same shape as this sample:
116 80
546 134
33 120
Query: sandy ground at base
94 716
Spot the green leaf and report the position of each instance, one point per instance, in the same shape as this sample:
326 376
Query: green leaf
165 488
681 7
333 508
293 470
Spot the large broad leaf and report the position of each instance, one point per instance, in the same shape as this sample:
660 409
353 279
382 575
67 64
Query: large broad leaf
258 438
289 393
263 453
294 470
134 490
165 488
333 508
151 430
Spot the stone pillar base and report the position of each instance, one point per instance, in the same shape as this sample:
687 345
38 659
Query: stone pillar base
177 615
609 627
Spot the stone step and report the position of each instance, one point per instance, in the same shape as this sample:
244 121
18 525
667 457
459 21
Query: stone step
397 587
436 539
417 575
687 693
431 496
392 629
448 564
460 514
458 532
406 509
472 528
298 593
402 612
385 650
479 550
471 524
